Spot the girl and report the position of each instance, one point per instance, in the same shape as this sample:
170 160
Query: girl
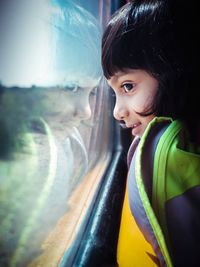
149 58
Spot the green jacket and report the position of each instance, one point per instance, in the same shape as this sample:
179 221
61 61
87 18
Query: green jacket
164 192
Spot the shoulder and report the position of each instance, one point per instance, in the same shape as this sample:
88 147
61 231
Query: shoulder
174 161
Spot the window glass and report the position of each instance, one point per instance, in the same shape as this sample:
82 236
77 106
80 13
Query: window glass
54 126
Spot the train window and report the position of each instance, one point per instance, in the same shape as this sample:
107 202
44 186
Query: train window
54 111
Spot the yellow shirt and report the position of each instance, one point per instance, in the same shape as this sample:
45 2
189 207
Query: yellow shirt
133 250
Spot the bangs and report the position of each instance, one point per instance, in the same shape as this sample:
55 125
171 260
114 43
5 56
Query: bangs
112 44
125 45
122 51
109 50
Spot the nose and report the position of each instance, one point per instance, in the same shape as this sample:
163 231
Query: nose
87 113
120 111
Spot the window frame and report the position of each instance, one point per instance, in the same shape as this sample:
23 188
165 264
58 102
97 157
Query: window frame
96 241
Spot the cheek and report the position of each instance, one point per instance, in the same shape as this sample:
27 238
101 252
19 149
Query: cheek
138 103
67 107
142 102
61 106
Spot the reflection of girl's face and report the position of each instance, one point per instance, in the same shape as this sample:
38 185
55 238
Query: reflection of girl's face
66 108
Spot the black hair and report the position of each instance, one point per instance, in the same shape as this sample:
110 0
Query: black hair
160 37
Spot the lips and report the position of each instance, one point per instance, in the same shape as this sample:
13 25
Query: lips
128 126
133 125
136 125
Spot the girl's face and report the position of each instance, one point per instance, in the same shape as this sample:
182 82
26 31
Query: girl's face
67 107
135 91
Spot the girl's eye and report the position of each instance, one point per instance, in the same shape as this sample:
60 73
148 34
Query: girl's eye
93 92
72 88
128 87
